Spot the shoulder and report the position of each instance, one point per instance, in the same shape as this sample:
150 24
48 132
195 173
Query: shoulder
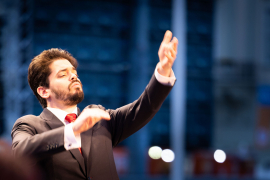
28 118
27 123
31 120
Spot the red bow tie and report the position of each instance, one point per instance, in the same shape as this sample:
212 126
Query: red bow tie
71 117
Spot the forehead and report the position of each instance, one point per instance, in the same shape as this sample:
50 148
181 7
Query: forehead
60 64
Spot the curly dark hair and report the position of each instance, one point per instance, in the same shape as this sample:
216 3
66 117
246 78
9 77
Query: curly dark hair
39 71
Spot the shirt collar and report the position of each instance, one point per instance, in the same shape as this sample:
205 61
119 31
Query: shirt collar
60 114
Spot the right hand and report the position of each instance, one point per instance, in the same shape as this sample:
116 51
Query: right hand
88 118
167 54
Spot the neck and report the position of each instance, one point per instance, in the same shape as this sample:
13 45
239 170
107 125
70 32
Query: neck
57 105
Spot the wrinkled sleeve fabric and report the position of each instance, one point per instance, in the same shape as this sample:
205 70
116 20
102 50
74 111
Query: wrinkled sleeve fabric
27 141
130 118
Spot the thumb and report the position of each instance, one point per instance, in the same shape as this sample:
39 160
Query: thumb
175 43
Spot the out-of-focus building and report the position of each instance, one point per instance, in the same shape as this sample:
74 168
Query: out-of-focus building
241 76
16 53
116 44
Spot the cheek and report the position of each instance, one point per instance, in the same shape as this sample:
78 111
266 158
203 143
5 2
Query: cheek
59 85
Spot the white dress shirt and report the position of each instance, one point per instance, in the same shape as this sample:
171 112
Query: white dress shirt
70 140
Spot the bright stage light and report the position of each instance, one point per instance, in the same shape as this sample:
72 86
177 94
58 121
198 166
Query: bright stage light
219 156
167 155
155 152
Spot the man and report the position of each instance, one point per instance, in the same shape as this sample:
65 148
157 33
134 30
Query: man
83 149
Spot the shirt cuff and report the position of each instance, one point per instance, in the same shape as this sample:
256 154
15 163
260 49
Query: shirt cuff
70 140
168 81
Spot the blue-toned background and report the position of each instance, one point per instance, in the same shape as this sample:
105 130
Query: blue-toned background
227 84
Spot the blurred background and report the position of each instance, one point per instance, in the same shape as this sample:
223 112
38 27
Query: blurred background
217 119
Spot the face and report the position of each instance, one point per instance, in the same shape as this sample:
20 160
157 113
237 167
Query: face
64 84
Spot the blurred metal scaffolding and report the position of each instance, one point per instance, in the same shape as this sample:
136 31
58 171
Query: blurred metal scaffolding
16 53
139 57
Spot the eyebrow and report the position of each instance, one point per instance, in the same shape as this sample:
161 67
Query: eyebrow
73 68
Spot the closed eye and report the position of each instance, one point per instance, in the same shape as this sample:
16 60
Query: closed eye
62 75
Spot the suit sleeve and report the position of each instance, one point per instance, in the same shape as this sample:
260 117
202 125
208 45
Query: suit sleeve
26 140
130 118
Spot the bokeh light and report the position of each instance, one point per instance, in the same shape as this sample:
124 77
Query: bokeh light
167 155
155 152
219 156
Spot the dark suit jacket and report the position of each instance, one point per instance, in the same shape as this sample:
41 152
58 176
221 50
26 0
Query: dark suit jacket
42 137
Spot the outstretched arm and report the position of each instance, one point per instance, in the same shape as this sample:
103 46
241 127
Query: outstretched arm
128 119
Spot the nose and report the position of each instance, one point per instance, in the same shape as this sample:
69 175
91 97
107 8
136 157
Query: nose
73 77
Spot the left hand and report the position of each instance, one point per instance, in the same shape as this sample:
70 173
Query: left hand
167 54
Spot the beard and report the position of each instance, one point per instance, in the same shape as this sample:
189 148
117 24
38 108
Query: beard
69 98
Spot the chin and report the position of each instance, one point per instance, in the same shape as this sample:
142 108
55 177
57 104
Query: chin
77 97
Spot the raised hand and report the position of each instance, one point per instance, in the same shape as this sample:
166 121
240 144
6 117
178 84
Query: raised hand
167 54
88 118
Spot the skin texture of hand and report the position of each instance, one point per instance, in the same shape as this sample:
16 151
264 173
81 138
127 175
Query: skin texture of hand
88 118
167 54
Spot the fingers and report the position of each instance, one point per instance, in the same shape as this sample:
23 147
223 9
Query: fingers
175 43
168 42
105 116
88 118
167 37
167 54
98 114
171 55
171 49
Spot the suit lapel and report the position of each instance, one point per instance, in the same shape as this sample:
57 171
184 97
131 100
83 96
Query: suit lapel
77 155
86 146
86 138
51 119
53 123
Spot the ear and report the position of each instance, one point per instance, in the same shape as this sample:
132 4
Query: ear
43 92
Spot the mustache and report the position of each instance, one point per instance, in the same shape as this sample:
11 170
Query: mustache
74 81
